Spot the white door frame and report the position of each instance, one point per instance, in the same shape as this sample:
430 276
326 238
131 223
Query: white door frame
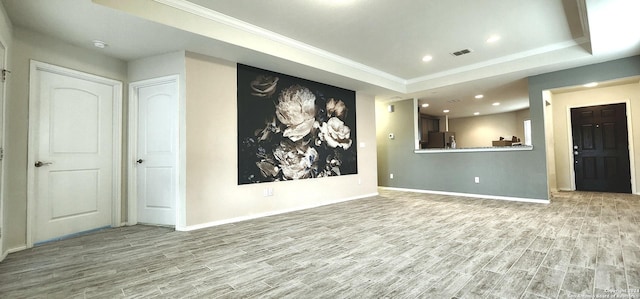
34 117
132 170
2 148
632 163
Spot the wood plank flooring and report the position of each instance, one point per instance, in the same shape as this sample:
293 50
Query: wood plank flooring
396 245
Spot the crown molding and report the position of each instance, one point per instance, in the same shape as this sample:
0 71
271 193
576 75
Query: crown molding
404 84
584 21
215 16
500 60
183 15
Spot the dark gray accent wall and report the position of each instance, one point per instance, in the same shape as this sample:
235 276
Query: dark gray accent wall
610 70
520 174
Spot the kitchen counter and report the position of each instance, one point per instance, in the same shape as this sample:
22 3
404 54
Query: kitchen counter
474 149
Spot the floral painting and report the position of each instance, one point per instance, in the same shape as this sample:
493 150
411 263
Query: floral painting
291 128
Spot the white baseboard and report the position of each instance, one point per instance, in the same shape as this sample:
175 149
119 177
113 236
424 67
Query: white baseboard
255 216
12 250
16 249
483 196
573 190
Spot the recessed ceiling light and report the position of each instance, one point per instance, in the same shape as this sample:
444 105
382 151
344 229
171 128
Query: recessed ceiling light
99 44
479 96
493 39
445 111
425 105
337 2
496 104
592 84
427 58
476 113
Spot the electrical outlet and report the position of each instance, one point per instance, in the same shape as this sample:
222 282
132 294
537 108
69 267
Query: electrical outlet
391 175
477 180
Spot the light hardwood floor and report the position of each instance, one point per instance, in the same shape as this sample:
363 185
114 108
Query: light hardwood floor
396 245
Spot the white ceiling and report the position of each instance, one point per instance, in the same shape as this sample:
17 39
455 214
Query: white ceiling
371 46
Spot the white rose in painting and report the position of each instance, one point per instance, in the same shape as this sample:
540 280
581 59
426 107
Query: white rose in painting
336 133
336 108
270 128
267 169
264 86
297 161
296 109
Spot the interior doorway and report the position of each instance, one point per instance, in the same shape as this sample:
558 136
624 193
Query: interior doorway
153 151
74 156
601 148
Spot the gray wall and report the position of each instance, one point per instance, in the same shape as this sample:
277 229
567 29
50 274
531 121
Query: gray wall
615 69
513 174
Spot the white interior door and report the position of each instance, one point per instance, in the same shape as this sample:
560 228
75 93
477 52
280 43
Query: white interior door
156 155
74 157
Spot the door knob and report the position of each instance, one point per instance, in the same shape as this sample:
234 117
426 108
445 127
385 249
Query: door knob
140 161
40 163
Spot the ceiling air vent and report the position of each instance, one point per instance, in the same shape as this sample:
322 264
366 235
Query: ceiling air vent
462 52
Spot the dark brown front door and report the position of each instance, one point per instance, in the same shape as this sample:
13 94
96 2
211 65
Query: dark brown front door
601 148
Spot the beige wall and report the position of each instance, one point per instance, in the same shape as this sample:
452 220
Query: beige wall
549 141
561 104
479 131
6 39
29 45
5 27
157 66
212 193
521 116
